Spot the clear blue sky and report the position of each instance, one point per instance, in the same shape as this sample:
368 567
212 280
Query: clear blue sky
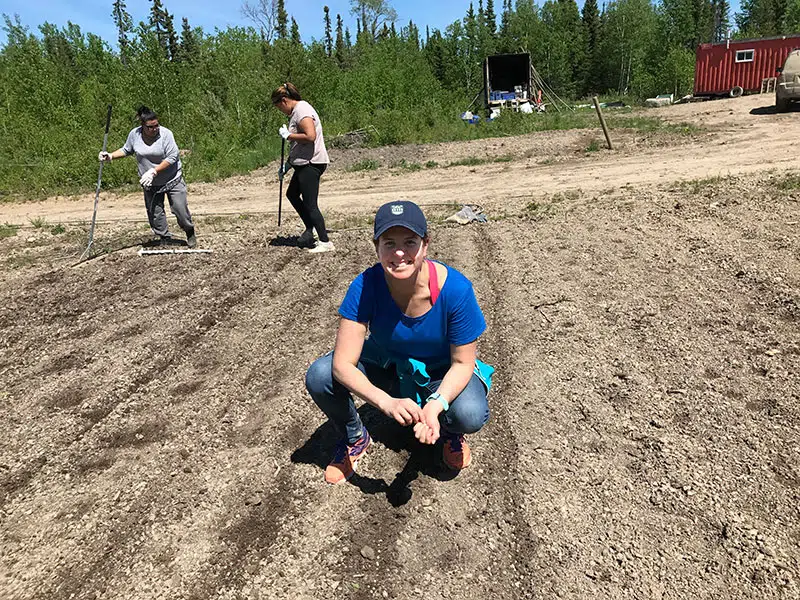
95 15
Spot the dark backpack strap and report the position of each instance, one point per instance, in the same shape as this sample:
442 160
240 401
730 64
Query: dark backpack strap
433 282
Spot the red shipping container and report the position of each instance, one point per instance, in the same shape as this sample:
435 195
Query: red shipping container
738 66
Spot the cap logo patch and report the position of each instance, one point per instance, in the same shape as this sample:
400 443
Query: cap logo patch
397 209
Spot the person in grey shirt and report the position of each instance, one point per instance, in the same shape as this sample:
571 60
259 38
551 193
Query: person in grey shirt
160 174
309 159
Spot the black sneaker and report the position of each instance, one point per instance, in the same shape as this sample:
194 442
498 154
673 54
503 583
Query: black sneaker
191 239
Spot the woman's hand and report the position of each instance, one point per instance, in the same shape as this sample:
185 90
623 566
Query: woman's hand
427 431
403 410
104 156
284 132
146 180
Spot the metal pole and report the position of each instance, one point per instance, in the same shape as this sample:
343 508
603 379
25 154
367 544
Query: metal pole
280 191
602 121
97 190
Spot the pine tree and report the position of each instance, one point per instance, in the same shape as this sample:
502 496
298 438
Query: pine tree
340 47
124 23
347 39
172 37
294 33
491 18
281 18
413 35
722 21
189 47
158 25
328 38
762 17
505 20
590 18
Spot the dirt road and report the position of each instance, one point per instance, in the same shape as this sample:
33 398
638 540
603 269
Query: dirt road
743 136
645 431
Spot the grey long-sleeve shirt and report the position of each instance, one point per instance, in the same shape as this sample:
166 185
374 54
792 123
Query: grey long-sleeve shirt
149 156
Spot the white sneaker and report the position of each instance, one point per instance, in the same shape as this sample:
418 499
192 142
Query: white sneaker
322 247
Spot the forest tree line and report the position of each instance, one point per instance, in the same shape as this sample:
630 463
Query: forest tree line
406 81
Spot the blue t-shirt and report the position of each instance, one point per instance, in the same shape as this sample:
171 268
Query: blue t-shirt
455 319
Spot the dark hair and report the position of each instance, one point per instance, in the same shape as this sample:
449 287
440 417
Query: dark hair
287 90
144 114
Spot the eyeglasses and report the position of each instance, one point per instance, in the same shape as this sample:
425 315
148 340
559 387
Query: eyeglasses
151 126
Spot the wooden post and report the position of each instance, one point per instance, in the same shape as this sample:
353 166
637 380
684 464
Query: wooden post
602 121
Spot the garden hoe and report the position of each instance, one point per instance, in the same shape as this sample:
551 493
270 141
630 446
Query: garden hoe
97 190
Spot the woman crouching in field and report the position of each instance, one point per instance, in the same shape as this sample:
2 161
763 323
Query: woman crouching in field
418 365
160 174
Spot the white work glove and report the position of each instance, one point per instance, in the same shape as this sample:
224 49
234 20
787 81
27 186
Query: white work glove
105 156
146 180
284 132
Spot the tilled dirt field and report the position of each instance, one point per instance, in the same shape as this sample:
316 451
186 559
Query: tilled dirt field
644 441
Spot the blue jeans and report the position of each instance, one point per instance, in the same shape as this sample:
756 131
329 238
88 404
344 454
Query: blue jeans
468 412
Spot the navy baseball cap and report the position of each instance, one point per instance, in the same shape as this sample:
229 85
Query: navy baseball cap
400 213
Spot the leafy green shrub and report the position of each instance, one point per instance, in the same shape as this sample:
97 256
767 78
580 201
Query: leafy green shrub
408 166
469 161
7 230
368 164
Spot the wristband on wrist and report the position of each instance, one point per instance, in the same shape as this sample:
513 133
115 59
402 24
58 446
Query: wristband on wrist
438 396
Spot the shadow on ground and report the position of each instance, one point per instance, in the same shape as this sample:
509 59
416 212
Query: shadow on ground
773 110
293 241
422 459
163 243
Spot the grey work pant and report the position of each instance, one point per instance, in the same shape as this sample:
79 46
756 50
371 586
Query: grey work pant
154 203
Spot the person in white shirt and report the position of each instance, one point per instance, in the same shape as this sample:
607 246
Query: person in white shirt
309 159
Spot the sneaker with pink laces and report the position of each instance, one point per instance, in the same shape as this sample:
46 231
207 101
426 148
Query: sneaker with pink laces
345 459
456 453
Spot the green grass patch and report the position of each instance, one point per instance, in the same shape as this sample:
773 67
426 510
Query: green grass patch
39 223
7 231
368 164
504 158
431 164
695 186
789 182
57 229
407 166
538 210
593 146
469 161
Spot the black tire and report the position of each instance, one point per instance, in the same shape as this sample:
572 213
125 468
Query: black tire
736 91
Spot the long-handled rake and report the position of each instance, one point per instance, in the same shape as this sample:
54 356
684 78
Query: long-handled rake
280 191
97 190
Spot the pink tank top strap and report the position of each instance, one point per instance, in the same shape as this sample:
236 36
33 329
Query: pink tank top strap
433 281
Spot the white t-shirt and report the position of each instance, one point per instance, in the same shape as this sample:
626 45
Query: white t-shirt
302 153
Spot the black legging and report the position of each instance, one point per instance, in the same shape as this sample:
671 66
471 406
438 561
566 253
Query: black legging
305 184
